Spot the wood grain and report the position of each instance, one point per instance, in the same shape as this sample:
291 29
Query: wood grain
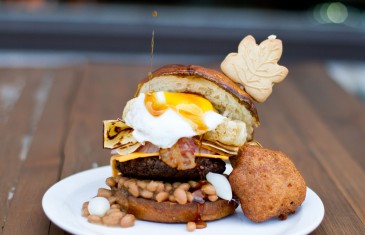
308 116
289 129
103 93
16 125
39 169
343 113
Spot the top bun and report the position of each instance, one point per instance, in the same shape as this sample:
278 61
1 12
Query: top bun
225 95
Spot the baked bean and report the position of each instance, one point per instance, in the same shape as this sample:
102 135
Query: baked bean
115 206
117 214
110 220
94 219
172 198
152 186
146 194
123 202
133 189
110 182
184 186
176 184
127 221
193 184
212 198
103 192
130 181
142 184
85 212
208 189
180 196
189 196
191 226
168 187
112 200
126 183
160 187
121 181
110 211
162 196
117 178
85 204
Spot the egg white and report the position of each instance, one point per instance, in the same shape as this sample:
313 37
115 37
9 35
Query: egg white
164 130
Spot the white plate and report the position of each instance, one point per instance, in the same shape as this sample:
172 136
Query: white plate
63 201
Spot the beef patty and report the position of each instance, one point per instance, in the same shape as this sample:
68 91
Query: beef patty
155 169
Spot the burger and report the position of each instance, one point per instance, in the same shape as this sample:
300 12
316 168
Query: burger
170 147
171 144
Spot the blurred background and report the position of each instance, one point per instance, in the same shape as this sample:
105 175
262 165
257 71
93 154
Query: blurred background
50 32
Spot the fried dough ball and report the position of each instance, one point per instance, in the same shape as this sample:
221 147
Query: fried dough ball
267 183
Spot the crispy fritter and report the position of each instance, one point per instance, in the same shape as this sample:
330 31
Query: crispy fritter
267 183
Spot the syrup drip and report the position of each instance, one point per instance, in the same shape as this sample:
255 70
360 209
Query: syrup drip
200 202
154 14
198 220
151 54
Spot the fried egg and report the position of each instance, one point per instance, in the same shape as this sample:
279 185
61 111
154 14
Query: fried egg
162 118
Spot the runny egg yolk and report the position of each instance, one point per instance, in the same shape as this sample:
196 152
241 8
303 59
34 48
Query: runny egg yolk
190 106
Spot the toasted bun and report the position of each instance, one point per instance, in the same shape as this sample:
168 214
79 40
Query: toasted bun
225 95
169 212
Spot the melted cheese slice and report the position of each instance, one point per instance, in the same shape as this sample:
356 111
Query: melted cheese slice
136 155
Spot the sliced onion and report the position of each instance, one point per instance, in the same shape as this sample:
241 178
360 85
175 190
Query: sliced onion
221 185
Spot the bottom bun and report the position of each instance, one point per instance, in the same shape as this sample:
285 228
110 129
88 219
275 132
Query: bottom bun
169 212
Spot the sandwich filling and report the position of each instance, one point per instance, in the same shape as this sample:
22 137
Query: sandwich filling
162 118
175 127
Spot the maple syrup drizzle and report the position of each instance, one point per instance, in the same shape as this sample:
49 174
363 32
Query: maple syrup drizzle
198 220
154 14
151 54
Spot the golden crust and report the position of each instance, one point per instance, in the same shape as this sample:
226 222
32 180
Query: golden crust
267 183
168 212
211 75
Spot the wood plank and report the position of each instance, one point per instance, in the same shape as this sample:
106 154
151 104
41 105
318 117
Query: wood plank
11 87
102 95
344 113
16 124
41 167
337 157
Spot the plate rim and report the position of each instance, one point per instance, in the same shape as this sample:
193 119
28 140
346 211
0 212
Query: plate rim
99 170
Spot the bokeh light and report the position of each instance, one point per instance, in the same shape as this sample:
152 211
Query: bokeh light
333 12
337 12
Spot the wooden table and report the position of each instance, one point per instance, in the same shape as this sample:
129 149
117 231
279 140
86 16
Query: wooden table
51 127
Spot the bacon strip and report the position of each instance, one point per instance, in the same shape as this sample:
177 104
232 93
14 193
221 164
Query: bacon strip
180 155
148 148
